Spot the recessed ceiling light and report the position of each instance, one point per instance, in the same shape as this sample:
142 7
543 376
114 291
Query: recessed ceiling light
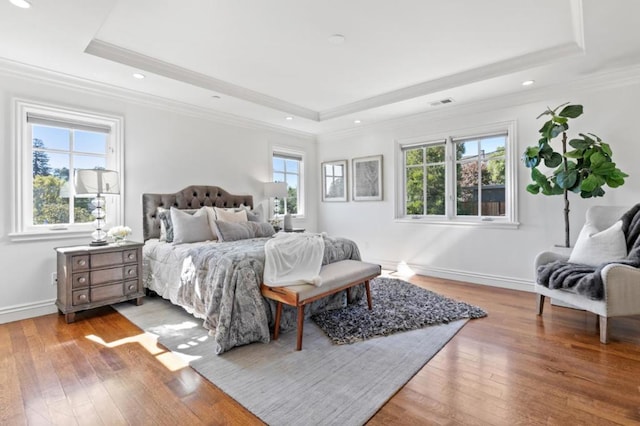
336 39
357 121
138 76
288 118
528 82
24 4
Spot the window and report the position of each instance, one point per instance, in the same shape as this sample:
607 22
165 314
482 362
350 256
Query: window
51 143
462 179
288 167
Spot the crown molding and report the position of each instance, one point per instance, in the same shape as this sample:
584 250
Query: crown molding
619 77
23 71
128 57
496 69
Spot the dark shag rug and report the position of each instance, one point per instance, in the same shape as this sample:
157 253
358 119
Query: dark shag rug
397 306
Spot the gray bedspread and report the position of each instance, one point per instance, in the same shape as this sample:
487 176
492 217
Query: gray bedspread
221 283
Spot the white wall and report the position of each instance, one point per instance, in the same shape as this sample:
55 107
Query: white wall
501 257
164 151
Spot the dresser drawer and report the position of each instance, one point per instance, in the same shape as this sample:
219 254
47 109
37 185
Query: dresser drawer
80 280
81 297
131 287
106 259
130 271
106 292
130 256
80 263
107 275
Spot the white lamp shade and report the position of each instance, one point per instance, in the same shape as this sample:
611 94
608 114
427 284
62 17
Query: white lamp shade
275 189
94 181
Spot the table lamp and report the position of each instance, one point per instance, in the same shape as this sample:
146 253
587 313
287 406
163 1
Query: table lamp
97 182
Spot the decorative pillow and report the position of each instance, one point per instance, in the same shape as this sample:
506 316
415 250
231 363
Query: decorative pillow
165 223
190 228
230 216
595 247
166 226
229 231
254 216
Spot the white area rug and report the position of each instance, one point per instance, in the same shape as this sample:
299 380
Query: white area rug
324 384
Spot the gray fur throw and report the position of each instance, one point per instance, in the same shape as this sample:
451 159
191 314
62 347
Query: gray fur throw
587 280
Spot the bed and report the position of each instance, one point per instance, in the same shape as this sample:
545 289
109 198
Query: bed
219 282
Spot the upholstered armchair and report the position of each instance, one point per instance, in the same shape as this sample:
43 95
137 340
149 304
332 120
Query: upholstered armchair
621 282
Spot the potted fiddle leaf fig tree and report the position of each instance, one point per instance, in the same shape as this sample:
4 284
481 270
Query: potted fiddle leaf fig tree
585 169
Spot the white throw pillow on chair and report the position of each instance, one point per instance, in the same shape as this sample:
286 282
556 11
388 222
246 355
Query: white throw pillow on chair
595 247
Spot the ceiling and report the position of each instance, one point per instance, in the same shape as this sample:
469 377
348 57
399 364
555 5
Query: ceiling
268 60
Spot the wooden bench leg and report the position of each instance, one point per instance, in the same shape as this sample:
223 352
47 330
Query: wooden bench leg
367 287
300 327
276 326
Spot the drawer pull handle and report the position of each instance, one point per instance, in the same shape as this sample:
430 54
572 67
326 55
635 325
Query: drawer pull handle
82 280
131 256
131 271
82 262
82 297
132 287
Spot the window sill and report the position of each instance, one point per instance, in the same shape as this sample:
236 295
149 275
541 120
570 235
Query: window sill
487 224
49 234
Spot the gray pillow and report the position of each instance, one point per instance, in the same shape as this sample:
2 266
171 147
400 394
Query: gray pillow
166 226
229 231
189 228
254 216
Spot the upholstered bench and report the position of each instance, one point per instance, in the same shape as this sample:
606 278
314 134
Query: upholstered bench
336 277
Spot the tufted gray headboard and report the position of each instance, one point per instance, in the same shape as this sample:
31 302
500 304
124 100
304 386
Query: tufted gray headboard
191 197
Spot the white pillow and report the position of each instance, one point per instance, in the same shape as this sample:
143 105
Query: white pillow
231 216
189 228
594 248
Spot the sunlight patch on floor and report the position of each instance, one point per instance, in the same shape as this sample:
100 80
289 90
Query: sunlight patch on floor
173 361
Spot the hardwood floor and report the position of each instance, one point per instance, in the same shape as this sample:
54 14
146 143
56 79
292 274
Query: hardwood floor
511 367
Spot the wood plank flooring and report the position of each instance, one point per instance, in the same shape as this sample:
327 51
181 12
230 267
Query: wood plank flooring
509 368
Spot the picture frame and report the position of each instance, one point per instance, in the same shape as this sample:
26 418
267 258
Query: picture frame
334 181
367 178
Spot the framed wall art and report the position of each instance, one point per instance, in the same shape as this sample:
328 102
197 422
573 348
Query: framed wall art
334 180
367 178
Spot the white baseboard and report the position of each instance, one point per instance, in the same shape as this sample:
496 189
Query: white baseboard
457 275
27 310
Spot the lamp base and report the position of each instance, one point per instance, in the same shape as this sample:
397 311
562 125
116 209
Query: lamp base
98 243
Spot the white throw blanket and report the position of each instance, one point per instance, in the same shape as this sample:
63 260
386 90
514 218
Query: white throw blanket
292 259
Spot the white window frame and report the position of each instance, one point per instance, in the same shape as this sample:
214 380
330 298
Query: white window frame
509 220
22 173
289 152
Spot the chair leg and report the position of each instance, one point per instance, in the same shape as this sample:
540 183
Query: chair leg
300 326
276 326
539 303
367 288
604 329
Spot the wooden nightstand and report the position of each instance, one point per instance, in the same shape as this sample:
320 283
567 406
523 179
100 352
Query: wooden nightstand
89 277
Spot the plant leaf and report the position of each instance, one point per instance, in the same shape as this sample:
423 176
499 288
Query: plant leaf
579 144
571 111
589 184
574 154
597 159
567 180
554 160
606 148
533 188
